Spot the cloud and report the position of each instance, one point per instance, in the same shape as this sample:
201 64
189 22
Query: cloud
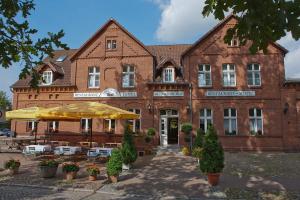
182 20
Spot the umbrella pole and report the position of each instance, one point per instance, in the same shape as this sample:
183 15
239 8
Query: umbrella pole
35 133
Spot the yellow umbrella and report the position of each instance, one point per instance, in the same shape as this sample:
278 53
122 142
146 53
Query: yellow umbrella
31 113
85 110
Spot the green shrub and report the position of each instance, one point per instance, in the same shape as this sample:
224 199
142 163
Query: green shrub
148 139
199 139
48 163
70 167
151 132
114 164
12 164
186 128
128 150
93 170
212 156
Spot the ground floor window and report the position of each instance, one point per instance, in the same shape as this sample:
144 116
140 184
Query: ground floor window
205 118
31 126
109 125
256 121
86 125
53 126
135 124
230 121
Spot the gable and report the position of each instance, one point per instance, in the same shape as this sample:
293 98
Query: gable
213 42
96 46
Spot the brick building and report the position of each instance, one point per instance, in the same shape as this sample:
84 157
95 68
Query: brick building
246 97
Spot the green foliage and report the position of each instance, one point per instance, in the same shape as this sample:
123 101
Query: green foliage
212 156
114 164
199 139
197 152
70 167
4 100
259 21
128 150
185 151
186 128
49 163
12 164
148 139
16 41
151 132
93 170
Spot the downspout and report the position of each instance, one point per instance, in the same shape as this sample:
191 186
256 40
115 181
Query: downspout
191 111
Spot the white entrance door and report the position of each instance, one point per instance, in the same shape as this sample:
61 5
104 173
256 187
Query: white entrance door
164 131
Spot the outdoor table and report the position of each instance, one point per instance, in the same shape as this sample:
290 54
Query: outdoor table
67 150
99 152
32 149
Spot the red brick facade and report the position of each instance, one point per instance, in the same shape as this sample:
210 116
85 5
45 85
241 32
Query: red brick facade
279 100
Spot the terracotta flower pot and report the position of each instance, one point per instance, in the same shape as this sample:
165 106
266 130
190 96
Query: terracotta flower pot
13 171
70 176
213 178
92 177
113 179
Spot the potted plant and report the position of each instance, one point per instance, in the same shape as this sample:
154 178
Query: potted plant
48 168
185 151
114 165
187 128
128 150
12 166
93 171
70 169
212 156
198 145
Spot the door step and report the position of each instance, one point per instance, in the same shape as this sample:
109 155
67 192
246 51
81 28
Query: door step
170 149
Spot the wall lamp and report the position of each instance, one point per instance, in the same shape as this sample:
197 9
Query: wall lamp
286 108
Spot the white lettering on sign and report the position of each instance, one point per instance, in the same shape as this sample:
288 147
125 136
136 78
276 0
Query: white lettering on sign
168 93
105 94
231 93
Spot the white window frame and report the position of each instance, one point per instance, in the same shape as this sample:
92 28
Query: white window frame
109 124
169 70
204 72
256 118
205 118
252 71
234 38
134 120
229 118
92 76
86 128
126 74
54 125
47 75
227 74
111 44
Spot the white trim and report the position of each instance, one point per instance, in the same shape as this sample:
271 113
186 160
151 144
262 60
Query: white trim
204 72
226 74
45 74
127 74
170 70
92 77
253 71
229 118
256 118
205 118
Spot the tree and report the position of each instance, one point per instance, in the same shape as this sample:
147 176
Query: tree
199 139
212 155
128 150
259 21
16 43
4 100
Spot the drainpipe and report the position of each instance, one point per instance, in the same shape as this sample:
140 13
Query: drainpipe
191 112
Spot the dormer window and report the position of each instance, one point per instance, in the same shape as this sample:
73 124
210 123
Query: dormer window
111 44
61 58
168 75
47 78
234 41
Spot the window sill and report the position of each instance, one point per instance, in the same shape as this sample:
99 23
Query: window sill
93 88
229 87
205 87
255 87
133 87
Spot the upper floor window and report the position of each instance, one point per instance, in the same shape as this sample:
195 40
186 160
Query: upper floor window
128 76
109 125
253 74
111 44
47 78
229 76
135 124
86 125
256 121
204 75
31 126
234 41
53 126
230 121
168 75
94 77
205 118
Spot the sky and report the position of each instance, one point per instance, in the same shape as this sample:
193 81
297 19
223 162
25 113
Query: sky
151 21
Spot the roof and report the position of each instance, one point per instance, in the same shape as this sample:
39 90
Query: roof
62 68
217 27
292 80
100 30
